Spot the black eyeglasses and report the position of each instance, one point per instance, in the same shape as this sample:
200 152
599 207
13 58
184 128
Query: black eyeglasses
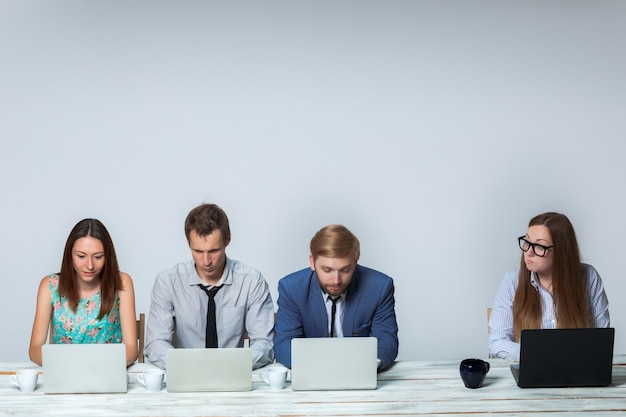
539 250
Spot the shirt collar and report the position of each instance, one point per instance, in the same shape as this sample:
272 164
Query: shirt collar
534 281
328 297
226 279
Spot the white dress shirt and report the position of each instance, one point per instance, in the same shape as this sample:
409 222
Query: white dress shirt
338 312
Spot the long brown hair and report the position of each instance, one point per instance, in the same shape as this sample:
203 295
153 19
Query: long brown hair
110 281
569 287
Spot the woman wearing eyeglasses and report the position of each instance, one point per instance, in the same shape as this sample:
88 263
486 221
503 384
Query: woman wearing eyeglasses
551 289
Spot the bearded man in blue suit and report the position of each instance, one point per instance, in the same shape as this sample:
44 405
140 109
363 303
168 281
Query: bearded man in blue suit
363 298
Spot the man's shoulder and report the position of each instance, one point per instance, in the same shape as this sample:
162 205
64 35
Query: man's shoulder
181 270
239 273
372 275
297 276
240 270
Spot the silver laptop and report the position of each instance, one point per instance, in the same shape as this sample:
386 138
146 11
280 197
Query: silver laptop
84 368
221 369
334 363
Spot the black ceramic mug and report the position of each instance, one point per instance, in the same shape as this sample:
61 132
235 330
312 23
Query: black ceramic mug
473 372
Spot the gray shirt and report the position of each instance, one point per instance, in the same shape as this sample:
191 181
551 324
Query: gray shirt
178 312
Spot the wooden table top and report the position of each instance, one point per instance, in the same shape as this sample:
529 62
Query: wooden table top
408 388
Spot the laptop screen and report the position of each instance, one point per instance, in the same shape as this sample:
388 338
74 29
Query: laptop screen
217 369
84 368
332 363
566 357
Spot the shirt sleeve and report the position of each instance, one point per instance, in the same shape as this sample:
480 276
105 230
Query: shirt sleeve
260 323
288 325
160 327
385 327
598 301
501 337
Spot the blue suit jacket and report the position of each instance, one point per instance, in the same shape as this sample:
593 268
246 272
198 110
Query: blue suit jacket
369 310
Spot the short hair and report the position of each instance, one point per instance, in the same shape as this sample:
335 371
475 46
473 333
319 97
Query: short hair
205 219
335 241
110 281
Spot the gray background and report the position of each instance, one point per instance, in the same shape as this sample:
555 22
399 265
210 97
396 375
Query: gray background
433 129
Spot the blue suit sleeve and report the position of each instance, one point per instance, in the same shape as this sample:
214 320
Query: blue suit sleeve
288 324
385 326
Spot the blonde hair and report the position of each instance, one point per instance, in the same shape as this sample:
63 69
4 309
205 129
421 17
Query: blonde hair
335 241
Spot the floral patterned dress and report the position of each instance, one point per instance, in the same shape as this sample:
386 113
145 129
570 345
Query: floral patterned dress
83 325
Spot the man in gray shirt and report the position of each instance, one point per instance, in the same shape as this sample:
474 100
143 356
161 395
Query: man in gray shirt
182 314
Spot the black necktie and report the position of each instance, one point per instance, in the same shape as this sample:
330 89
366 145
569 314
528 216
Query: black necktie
332 315
211 326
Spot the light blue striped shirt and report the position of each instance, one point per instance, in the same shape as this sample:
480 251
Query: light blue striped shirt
501 344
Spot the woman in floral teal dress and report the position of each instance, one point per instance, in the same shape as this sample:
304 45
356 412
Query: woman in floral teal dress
90 300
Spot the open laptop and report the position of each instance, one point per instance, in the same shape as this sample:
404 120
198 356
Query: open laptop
334 363
565 358
216 369
84 368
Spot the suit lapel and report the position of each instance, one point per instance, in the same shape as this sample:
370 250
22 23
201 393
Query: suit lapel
352 302
318 308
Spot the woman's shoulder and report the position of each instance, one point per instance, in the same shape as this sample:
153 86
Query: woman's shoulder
587 267
509 281
51 281
594 282
125 280
590 272
511 276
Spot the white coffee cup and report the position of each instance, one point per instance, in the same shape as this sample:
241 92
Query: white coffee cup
25 379
152 379
275 377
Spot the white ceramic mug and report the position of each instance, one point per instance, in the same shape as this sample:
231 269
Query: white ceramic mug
276 377
152 379
25 379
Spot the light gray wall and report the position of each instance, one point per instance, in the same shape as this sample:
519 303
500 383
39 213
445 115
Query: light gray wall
433 129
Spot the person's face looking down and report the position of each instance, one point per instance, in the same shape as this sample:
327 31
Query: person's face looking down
333 274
